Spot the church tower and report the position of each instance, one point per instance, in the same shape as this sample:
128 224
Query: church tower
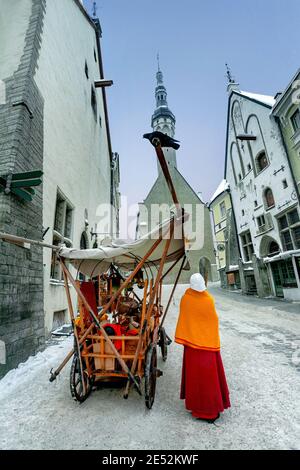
158 203
163 119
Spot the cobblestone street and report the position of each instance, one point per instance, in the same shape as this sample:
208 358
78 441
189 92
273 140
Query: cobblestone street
260 349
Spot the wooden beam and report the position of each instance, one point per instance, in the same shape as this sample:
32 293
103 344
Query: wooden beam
173 290
71 312
20 240
103 83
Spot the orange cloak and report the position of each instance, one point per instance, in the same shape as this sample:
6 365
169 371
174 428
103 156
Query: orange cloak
198 323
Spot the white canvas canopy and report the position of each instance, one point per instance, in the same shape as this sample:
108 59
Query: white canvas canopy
124 254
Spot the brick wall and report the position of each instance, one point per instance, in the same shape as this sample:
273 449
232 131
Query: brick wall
21 149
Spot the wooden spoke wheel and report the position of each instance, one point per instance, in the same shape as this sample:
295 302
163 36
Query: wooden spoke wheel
76 384
150 376
163 343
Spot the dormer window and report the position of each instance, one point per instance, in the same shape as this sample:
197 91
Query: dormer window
261 161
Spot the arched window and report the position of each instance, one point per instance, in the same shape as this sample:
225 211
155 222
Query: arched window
269 198
273 248
261 161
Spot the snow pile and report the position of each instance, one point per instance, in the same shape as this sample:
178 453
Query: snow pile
16 379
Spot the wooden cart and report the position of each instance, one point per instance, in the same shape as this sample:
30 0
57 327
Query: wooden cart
120 324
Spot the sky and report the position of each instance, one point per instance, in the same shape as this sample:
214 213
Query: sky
195 38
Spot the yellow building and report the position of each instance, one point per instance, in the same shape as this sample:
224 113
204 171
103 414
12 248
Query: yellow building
219 206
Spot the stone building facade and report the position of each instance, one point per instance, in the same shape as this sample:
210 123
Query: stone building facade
264 196
52 119
225 237
158 203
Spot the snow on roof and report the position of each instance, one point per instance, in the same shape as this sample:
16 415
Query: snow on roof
223 186
266 99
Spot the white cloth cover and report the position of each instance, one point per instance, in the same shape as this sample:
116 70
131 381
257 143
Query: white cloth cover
126 255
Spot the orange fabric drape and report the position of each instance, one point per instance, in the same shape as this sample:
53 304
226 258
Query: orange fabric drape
198 324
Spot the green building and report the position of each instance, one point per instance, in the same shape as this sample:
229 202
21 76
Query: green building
287 112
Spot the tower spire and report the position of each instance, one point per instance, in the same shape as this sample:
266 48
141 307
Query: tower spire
163 119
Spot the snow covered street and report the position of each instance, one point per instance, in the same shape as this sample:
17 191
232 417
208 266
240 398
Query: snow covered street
261 355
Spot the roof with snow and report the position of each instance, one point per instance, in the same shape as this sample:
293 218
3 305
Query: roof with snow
266 99
223 186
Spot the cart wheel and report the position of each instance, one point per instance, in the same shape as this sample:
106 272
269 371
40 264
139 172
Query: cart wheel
76 382
150 376
163 343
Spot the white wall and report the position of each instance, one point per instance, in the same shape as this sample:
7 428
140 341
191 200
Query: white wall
76 157
13 26
245 118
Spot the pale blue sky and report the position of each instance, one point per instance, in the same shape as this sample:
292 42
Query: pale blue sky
259 39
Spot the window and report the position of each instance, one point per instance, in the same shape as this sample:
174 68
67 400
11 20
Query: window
86 69
295 119
293 217
62 231
261 161
247 245
273 249
249 167
95 55
243 212
223 209
94 102
261 221
284 184
269 198
255 203
240 177
289 226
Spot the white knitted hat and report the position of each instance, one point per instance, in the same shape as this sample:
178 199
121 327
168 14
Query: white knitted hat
197 282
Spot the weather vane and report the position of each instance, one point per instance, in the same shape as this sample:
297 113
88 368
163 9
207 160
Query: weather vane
229 74
95 9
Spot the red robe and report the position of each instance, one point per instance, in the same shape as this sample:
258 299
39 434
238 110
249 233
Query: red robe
203 383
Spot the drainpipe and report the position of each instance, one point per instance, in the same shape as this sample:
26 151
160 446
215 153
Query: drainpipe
101 70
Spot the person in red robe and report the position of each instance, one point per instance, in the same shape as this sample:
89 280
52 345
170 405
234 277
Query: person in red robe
203 383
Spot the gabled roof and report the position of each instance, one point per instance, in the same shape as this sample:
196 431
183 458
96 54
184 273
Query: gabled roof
263 100
223 186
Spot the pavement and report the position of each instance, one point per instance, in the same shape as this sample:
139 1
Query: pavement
261 355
